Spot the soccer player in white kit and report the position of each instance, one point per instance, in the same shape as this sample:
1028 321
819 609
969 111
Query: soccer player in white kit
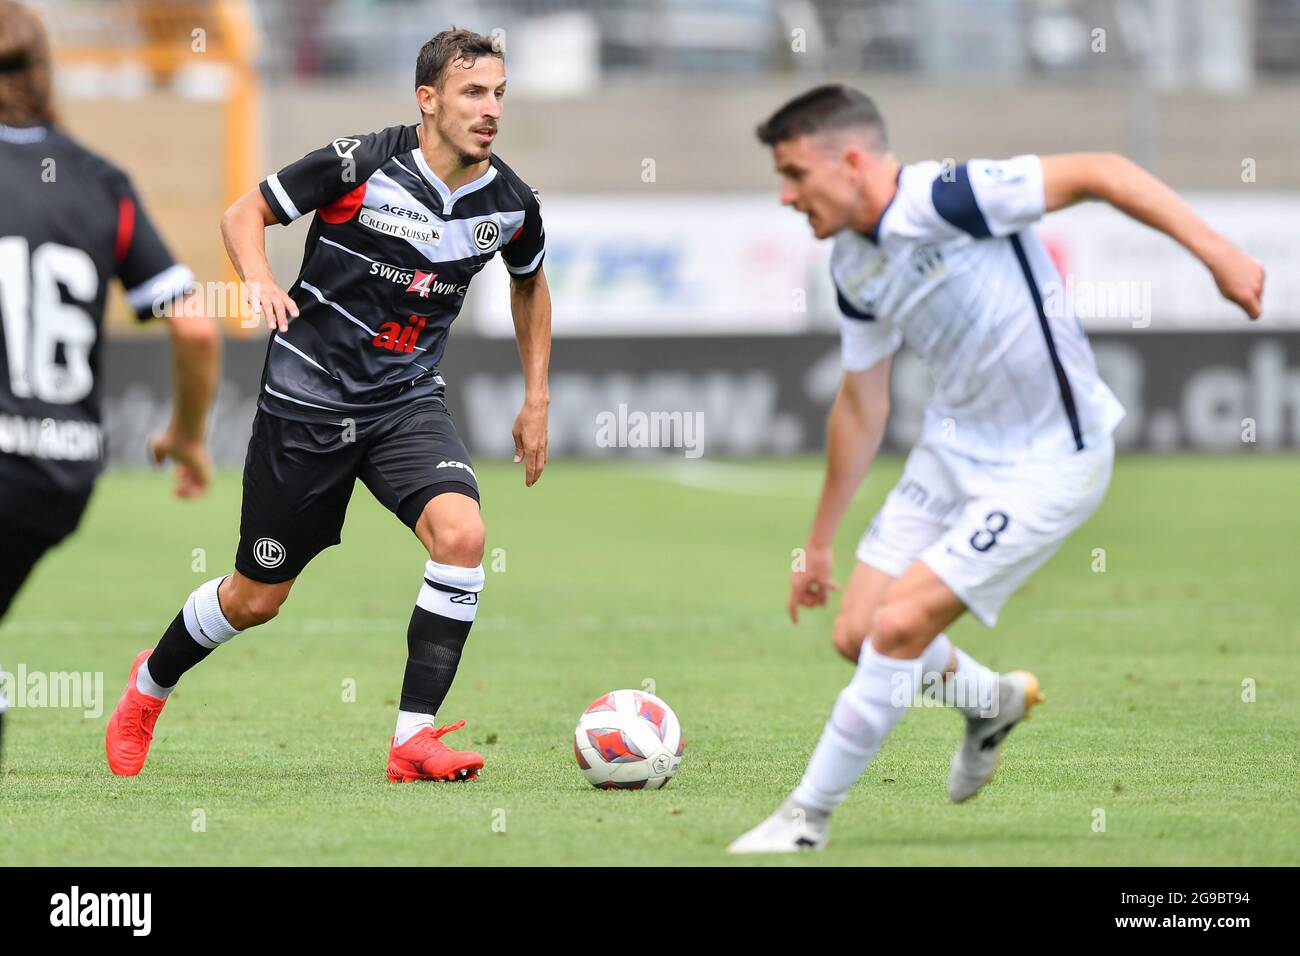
1016 448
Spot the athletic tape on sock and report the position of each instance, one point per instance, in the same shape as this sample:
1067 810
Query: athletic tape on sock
451 591
203 617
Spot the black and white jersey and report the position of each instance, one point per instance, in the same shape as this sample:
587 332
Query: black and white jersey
70 221
388 260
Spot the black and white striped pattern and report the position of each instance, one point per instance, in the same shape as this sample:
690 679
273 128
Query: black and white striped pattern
367 340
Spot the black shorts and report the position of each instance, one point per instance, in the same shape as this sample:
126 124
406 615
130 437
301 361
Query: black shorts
298 478
17 559
31 523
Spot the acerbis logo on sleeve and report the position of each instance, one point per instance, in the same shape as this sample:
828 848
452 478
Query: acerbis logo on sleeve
268 552
345 146
1000 174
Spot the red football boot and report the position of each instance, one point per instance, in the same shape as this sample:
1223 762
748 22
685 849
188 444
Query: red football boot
130 729
426 757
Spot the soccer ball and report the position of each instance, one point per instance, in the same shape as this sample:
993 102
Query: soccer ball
628 740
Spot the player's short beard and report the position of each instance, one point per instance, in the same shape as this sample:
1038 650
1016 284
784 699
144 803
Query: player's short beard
447 133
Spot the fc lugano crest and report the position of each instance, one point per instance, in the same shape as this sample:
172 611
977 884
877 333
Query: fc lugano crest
486 234
268 552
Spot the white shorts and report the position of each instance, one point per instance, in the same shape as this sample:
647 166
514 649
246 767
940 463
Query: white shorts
984 528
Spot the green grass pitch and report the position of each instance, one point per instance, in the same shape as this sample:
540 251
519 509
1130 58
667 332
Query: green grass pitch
615 574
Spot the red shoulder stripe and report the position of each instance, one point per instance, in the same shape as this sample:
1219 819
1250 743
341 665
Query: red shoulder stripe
125 229
345 207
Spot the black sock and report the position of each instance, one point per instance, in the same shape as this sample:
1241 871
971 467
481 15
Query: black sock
176 653
185 644
433 647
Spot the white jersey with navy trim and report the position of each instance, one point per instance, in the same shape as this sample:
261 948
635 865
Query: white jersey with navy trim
954 272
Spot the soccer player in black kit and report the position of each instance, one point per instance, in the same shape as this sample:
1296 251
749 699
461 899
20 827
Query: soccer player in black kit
71 222
404 219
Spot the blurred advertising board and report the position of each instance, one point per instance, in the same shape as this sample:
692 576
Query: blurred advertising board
724 396
685 264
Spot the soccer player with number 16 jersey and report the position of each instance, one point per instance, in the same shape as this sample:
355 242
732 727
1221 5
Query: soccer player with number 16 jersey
70 223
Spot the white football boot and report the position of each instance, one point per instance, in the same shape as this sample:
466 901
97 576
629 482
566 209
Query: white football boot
791 829
980 750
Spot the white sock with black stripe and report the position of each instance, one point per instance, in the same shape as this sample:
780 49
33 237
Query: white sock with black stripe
440 624
199 629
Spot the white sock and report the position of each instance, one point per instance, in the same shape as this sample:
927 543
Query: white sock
936 657
409 724
459 604
145 683
4 701
975 686
865 712
203 617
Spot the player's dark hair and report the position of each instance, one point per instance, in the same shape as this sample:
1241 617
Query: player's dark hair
26 75
450 47
823 108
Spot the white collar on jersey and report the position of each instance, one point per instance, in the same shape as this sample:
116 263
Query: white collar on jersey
448 197
22 134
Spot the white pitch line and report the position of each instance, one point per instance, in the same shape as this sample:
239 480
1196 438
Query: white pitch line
734 479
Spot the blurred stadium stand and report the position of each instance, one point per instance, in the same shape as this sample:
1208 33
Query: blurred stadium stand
1196 90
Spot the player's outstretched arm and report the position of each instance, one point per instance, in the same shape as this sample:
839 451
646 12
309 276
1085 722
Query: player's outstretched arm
1071 177
853 433
530 307
243 228
196 364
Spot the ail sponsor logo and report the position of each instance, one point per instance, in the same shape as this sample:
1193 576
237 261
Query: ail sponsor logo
399 228
417 281
395 338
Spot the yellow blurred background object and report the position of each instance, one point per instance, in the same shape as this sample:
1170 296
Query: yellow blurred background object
168 90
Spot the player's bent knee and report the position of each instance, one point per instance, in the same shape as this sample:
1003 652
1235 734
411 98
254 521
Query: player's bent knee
252 604
899 630
459 543
851 629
